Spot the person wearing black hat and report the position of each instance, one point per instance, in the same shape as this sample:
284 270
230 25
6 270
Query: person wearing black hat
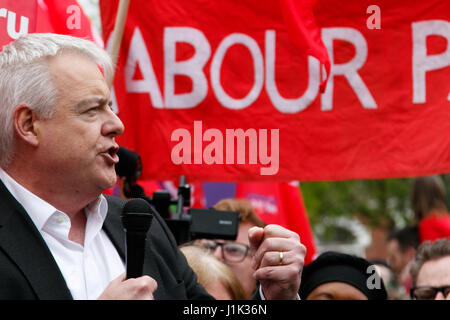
339 276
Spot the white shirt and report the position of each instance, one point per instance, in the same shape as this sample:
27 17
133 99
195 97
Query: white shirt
87 269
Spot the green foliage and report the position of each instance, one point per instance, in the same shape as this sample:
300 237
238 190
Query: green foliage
370 199
376 202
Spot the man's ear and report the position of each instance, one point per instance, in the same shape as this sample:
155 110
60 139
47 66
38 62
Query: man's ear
25 124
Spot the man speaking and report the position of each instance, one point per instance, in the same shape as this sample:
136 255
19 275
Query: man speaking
60 238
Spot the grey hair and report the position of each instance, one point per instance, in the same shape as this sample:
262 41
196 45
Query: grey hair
427 251
25 78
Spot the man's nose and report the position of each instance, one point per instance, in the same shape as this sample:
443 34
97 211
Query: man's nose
218 254
113 126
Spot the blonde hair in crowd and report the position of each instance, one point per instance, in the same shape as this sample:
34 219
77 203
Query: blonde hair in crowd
209 270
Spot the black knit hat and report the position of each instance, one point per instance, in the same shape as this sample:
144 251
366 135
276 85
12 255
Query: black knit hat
339 267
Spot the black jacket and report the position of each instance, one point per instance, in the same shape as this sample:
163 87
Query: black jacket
29 271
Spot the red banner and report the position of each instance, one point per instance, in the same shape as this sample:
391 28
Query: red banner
282 204
219 90
17 17
65 17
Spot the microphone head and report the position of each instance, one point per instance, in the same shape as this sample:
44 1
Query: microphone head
137 216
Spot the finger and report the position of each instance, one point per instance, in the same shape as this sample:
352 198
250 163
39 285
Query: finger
122 277
275 245
276 258
277 231
282 274
141 288
147 283
255 236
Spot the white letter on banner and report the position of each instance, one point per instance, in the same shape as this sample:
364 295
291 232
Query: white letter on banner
289 105
11 27
181 153
74 20
240 136
193 68
349 69
374 21
423 63
138 54
216 64
213 152
274 158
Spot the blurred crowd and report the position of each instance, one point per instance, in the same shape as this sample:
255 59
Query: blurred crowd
417 264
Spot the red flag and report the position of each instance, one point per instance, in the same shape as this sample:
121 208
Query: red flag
282 204
299 17
17 17
192 78
65 17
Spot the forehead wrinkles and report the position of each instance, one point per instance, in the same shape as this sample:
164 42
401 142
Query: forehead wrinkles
75 77
435 272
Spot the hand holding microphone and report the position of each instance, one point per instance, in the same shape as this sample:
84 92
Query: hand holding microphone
136 219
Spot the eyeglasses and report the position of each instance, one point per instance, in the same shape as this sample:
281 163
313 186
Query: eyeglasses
428 293
231 251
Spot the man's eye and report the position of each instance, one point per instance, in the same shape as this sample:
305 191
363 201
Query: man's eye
93 109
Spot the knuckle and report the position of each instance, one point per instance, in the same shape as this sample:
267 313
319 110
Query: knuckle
268 272
275 230
147 282
270 228
269 243
295 236
264 247
301 248
300 258
298 248
294 243
292 271
264 273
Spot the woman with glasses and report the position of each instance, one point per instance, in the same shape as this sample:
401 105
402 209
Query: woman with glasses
236 253
216 277
269 255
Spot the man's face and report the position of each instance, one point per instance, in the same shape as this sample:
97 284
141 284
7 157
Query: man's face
77 144
397 260
435 273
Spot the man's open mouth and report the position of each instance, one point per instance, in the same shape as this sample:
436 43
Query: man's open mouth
111 154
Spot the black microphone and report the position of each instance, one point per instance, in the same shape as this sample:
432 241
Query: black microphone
136 219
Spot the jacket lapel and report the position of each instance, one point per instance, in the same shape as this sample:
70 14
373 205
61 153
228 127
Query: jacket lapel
113 226
23 243
114 229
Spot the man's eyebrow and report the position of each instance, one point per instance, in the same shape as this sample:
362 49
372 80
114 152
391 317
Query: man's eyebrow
91 101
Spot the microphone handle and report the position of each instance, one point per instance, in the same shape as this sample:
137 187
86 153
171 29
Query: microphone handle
135 251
